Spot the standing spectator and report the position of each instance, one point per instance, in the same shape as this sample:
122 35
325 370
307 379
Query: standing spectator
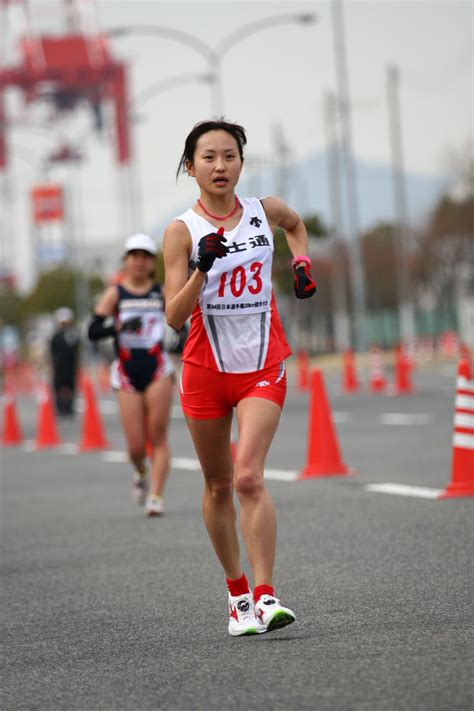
64 348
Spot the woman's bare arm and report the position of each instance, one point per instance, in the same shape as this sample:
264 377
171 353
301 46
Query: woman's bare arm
107 303
280 215
181 292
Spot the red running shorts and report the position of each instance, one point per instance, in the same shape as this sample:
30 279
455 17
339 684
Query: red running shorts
208 394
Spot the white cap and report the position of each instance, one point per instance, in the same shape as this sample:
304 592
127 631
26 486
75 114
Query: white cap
139 241
64 315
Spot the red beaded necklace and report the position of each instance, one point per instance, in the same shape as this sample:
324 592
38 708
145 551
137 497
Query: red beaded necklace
220 217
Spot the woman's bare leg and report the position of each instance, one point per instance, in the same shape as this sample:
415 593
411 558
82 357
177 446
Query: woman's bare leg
258 420
158 404
132 414
212 443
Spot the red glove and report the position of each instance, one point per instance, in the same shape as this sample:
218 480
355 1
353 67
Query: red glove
304 284
211 247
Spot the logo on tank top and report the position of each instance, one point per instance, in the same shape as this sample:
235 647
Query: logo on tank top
256 221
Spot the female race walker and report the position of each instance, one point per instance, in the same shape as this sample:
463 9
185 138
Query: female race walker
218 259
142 372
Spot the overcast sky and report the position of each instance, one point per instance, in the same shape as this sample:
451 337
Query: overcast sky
275 75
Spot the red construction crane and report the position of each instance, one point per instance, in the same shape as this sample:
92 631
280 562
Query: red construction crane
67 70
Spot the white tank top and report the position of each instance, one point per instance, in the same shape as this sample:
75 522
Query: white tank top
235 300
150 308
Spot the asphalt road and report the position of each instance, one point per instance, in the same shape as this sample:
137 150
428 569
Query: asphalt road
105 609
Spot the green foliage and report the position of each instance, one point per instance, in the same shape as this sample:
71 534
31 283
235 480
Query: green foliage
10 307
380 266
54 289
315 226
282 274
452 218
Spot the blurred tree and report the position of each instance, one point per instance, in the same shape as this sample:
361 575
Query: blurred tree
282 275
380 267
56 288
446 245
10 306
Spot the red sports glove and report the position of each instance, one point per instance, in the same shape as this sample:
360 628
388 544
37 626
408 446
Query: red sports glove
304 284
211 247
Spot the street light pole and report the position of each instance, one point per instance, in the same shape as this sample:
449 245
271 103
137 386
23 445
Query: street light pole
133 173
406 316
338 281
354 242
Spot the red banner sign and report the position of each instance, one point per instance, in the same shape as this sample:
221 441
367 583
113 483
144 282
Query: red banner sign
48 204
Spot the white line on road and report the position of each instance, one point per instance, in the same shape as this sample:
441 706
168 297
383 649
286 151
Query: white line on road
404 418
280 475
115 456
68 448
403 490
185 463
340 417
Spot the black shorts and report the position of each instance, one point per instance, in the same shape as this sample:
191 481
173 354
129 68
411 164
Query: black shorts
136 373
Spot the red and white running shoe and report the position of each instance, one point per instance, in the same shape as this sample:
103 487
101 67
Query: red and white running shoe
242 619
271 614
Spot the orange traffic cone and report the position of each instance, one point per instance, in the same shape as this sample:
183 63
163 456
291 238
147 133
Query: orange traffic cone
302 364
349 382
11 433
93 436
47 431
462 471
324 458
403 383
378 381
465 353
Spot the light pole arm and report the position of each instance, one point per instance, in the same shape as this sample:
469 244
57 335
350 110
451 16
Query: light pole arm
164 84
253 28
166 32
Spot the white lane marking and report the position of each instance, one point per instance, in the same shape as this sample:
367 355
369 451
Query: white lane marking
115 456
280 475
340 417
188 464
404 490
68 448
29 445
185 463
403 418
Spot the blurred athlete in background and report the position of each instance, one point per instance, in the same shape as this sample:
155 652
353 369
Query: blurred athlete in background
218 260
142 371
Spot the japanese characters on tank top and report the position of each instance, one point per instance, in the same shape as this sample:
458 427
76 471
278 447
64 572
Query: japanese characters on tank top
235 326
150 308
